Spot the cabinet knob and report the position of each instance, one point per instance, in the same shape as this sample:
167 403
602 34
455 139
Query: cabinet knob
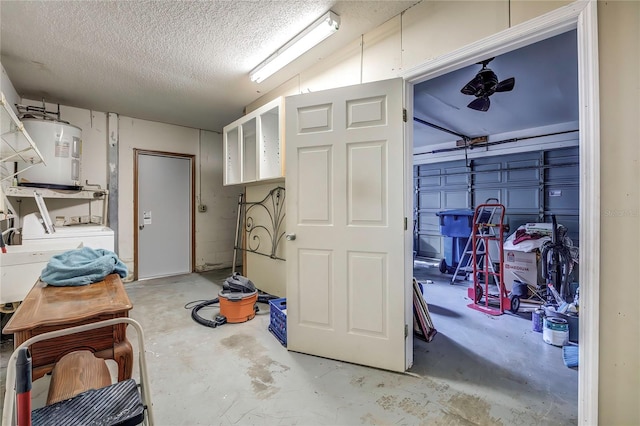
290 237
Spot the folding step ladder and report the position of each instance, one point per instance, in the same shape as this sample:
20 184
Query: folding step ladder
488 229
123 403
487 214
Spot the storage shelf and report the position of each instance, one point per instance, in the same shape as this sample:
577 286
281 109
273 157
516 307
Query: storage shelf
16 146
253 146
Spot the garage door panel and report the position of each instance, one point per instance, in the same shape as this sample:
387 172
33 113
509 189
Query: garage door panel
455 199
520 199
487 174
455 176
482 195
519 181
562 199
522 171
430 246
429 181
428 223
430 200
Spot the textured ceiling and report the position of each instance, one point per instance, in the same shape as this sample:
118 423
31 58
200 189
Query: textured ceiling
179 62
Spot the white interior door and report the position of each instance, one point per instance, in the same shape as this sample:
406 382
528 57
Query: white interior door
346 277
164 215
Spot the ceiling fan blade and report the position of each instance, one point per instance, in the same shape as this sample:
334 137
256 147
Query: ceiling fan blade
472 88
506 85
480 104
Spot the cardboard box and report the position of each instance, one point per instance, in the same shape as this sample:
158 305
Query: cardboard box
521 266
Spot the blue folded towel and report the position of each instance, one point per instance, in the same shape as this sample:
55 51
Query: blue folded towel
570 355
82 266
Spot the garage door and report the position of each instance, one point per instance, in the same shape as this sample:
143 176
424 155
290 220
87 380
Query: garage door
532 186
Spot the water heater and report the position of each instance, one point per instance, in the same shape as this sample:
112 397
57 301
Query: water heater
60 144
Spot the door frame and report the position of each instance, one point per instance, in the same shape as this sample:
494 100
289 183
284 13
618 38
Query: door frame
136 154
581 16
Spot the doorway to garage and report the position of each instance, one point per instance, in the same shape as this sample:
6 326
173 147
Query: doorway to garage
520 148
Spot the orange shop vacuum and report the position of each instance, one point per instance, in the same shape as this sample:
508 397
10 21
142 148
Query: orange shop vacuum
237 306
237 301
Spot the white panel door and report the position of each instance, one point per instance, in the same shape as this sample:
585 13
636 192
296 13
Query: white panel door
346 276
164 215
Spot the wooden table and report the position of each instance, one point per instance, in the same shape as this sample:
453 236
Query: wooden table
48 308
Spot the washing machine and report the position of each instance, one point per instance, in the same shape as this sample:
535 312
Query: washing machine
21 266
36 235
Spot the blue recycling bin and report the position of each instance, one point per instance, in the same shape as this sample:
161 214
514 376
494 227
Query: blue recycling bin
456 223
455 226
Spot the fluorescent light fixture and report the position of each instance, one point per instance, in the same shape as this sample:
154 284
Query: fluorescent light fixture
322 28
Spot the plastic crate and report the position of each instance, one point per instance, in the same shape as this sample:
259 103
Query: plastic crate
456 223
278 323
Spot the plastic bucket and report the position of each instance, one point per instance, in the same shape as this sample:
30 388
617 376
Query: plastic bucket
555 331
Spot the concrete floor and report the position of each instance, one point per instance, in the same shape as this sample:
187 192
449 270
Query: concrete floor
478 370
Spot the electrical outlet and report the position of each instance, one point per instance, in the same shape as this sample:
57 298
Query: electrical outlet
202 208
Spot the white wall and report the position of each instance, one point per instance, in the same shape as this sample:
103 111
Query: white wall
215 227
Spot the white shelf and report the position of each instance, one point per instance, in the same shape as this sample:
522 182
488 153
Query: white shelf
253 146
84 194
16 145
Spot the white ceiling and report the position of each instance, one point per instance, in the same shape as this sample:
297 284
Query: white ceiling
545 94
179 62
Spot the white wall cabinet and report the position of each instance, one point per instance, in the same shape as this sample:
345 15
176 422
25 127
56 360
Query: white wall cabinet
254 146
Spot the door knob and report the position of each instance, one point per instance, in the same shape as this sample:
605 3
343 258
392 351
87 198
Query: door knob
290 237
141 227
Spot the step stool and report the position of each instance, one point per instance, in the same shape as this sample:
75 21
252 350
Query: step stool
123 403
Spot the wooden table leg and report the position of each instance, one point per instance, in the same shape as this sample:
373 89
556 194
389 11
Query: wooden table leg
123 356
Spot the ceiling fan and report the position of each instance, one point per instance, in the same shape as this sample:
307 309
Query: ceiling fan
485 84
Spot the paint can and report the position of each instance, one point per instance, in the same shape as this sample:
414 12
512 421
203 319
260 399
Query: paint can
555 331
536 320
